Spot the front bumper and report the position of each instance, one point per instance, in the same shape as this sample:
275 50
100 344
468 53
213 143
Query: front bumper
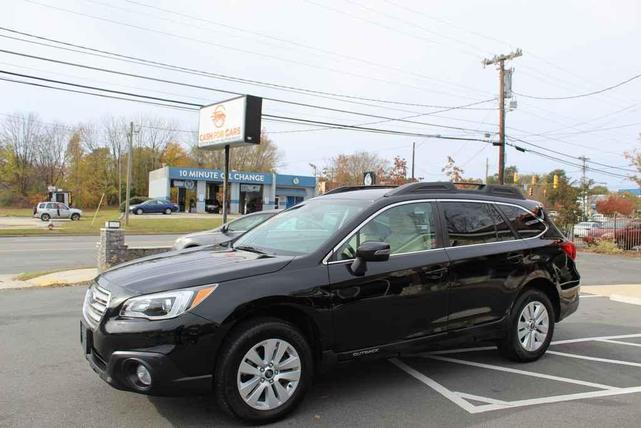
171 366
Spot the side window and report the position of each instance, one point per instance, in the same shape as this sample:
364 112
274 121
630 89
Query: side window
503 231
406 228
470 223
50 206
524 222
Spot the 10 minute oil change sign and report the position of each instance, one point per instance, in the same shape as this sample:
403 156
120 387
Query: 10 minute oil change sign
232 122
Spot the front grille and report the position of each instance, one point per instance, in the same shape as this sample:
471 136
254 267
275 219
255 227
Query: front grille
96 304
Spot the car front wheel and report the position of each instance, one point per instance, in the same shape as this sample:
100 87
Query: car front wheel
139 211
265 372
530 329
168 211
75 217
45 217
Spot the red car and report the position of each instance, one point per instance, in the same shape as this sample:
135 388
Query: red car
629 236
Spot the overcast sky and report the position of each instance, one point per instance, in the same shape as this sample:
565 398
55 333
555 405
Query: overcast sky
414 52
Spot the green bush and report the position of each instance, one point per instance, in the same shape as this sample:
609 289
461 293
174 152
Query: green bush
606 247
133 201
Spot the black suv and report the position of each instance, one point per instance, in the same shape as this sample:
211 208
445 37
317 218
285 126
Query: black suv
356 273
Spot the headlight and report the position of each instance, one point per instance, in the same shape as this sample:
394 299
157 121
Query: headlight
165 305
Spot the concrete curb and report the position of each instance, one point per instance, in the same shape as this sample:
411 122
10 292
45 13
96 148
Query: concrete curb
56 279
623 293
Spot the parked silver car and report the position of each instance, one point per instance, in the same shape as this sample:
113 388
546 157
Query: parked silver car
45 211
226 232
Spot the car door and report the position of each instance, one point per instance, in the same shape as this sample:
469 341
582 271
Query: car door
52 209
63 211
398 300
486 263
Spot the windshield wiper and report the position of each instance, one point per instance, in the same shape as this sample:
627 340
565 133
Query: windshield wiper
249 248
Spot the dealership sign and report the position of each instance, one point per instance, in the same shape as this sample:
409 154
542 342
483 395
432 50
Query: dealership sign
233 122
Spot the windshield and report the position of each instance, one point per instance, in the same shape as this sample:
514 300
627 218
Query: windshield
303 229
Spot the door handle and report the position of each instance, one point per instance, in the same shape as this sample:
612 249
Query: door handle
436 273
515 257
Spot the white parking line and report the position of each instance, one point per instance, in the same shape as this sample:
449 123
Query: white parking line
590 339
461 398
601 360
450 395
521 372
479 398
618 342
556 399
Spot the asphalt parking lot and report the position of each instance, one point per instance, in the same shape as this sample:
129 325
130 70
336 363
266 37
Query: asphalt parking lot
592 375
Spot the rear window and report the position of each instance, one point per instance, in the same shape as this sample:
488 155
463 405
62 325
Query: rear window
526 224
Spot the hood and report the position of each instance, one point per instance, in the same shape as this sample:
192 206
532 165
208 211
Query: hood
174 270
75 210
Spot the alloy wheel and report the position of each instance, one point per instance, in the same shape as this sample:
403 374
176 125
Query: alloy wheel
533 326
269 374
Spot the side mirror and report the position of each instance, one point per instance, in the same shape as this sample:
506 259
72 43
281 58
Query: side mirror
370 251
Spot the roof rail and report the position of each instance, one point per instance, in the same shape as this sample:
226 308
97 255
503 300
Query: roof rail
449 187
344 189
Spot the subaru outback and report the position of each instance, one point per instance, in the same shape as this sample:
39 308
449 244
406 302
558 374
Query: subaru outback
353 274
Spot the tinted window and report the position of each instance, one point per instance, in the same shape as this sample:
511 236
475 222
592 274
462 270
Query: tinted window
524 222
503 231
406 228
471 223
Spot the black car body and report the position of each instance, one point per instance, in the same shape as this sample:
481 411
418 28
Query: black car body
465 266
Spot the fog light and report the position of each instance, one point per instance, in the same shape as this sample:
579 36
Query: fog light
143 375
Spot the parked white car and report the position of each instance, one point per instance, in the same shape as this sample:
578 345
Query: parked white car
45 211
581 230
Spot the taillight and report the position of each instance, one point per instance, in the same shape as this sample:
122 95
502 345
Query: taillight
569 248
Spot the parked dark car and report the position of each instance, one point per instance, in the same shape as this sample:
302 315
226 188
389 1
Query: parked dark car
224 233
154 206
349 275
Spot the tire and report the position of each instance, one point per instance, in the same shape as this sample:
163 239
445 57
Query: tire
228 376
516 345
168 211
139 211
45 217
75 217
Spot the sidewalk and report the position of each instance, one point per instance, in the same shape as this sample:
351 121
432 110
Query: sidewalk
68 277
626 293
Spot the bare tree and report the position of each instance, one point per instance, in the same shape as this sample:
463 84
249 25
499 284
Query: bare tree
49 156
19 134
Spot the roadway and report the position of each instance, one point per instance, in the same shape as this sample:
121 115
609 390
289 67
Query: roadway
41 253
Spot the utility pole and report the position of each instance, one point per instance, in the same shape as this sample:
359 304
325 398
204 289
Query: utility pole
499 60
584 186
130 142
413 158
226 185
487 169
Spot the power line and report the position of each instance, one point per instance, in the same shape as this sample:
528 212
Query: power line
173 82
587 94
287 88
566 162
245 51
567 155
195 107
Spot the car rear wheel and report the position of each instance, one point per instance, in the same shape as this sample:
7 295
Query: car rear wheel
265 371
75 217
530 329
45 217
168 211
139 211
